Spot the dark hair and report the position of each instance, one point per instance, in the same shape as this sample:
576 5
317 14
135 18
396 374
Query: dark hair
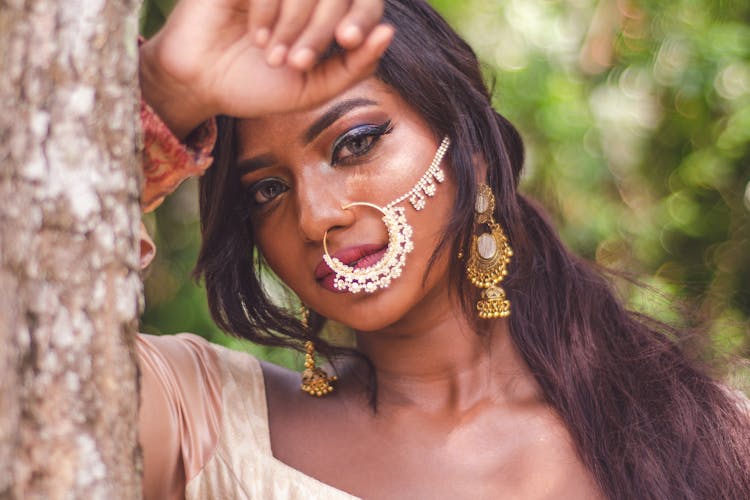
645 419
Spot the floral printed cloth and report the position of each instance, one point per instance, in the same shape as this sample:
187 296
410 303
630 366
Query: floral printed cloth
167 161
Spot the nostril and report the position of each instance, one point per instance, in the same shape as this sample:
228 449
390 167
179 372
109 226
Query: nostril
318 217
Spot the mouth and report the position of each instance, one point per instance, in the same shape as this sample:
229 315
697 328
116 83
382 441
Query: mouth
357 257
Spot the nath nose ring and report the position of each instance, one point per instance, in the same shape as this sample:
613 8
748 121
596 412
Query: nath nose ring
389 267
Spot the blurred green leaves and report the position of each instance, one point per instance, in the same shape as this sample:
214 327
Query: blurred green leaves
636 117
153 14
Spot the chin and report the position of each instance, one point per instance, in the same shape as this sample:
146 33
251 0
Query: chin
368 322
374 313
367 325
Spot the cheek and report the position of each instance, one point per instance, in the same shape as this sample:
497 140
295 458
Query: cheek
395 170
421 278
277 248
430 225
438 208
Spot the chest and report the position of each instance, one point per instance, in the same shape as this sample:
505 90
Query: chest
419 457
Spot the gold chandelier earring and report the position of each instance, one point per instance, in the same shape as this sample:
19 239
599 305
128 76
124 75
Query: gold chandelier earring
315 380
489 256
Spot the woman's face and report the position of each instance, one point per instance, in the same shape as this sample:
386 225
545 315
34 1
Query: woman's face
299 169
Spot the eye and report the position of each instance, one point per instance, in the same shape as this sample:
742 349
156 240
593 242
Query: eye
359 145
266 190
357 142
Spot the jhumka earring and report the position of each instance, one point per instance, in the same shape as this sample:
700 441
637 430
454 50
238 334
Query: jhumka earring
489 256
315 381
388 268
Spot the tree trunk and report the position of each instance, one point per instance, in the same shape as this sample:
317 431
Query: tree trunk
69 283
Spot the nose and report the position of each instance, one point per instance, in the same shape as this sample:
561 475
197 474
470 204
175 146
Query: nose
320 201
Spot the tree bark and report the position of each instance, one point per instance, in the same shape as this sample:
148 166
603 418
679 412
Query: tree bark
70 291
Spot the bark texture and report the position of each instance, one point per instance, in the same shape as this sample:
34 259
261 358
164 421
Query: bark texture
70 291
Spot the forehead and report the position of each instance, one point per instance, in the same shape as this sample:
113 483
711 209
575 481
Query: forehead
285 128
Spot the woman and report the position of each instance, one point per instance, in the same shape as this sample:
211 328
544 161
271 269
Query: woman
489 361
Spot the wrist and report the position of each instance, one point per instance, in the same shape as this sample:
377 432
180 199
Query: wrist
174 102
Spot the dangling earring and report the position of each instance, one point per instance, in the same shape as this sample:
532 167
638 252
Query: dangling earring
315 381
489 256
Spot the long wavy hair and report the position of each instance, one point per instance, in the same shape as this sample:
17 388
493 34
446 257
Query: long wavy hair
645 418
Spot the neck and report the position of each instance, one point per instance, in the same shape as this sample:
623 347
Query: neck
434 359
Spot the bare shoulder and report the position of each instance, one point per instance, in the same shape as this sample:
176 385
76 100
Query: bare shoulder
279 379
549 463
283 392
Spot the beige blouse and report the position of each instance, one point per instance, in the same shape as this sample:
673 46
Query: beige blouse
204 422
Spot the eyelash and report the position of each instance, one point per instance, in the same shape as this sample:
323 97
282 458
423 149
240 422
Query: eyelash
253 191
374 132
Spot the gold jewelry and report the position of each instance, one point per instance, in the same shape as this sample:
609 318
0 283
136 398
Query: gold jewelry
315 380
380 274
489 256
388 268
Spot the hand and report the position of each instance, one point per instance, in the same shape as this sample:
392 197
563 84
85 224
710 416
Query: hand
246 58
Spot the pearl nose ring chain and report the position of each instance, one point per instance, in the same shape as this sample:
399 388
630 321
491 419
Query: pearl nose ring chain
380 274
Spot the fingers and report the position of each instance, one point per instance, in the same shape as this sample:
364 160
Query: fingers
344 70
317 35
298 31
261 18
362 17
292 20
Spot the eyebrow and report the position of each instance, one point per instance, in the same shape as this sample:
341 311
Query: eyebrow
333 114
256 162
326 120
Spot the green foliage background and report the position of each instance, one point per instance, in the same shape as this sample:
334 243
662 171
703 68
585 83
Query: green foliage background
636 117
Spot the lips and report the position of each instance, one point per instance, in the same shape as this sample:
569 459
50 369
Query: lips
357 257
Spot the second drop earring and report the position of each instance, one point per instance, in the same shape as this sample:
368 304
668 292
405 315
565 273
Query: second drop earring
315 381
